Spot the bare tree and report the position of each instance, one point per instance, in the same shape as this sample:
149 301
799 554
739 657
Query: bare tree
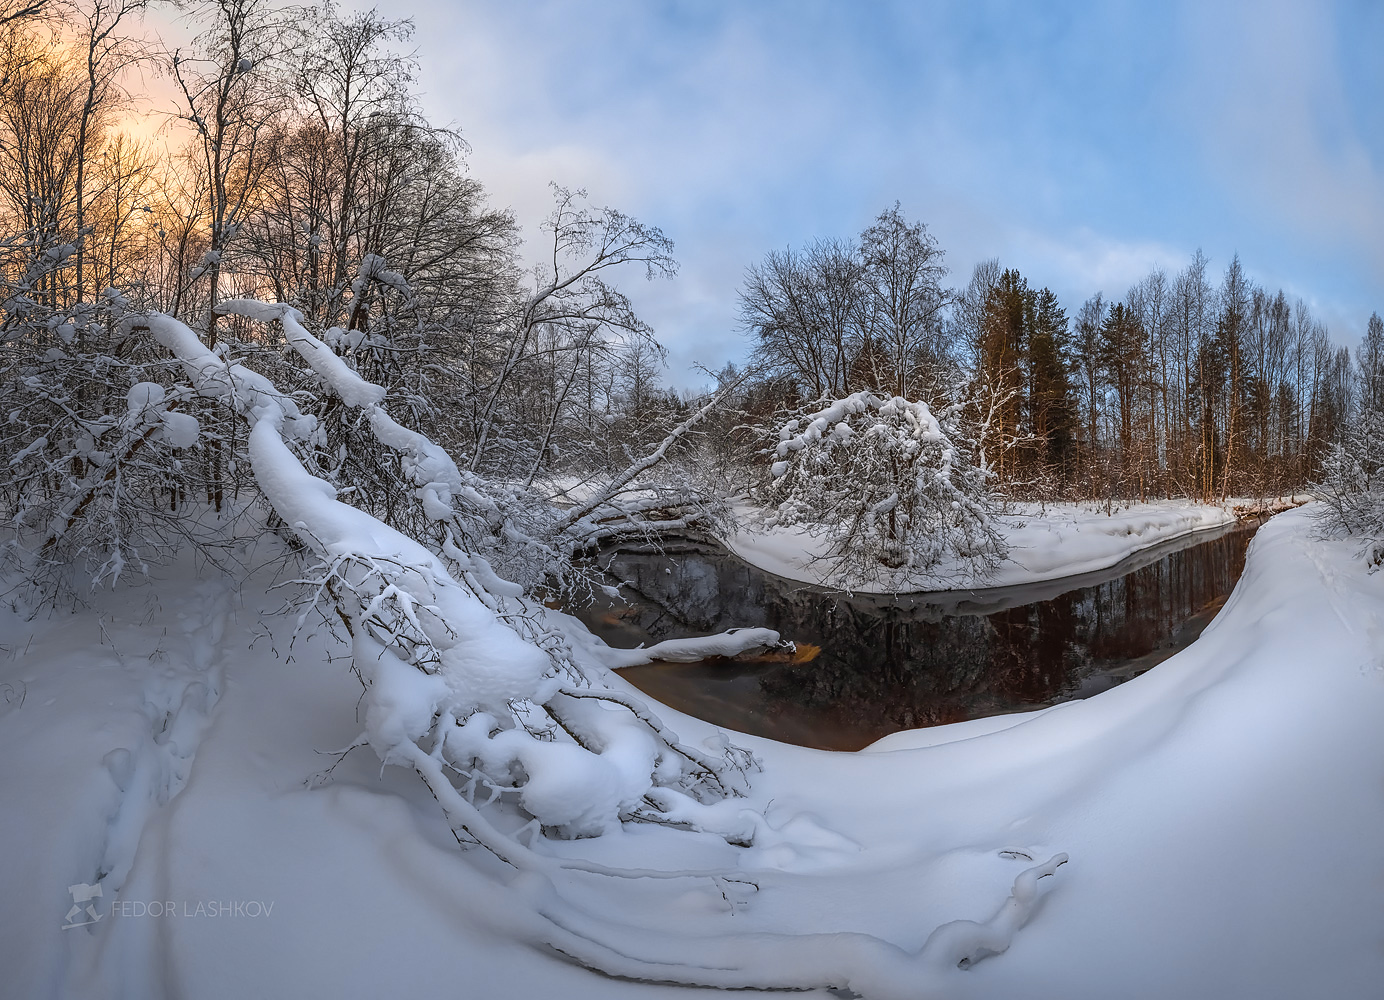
40 121
573 294
1188 328
107 52
842 315
805 311
1089 321
12 11
229 101
903 272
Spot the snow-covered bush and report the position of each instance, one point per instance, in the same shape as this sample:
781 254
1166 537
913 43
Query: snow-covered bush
102 446
1351 487
893 488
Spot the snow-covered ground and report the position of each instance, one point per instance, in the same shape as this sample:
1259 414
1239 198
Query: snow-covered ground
1221 814
1057 540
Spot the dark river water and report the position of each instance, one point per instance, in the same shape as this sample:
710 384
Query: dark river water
869 666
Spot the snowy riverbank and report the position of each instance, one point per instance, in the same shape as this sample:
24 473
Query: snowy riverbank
1057 540
1219 813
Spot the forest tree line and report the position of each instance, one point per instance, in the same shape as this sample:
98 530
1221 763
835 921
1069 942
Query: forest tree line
1193 384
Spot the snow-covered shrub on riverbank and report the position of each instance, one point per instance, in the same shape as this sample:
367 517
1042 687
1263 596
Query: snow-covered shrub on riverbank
890 484
1352 482
1352 491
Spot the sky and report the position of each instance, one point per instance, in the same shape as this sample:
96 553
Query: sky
1082 143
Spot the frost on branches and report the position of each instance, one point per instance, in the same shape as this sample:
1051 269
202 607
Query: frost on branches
1352 482
1352 487
893 489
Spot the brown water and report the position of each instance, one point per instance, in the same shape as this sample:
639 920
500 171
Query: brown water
892 663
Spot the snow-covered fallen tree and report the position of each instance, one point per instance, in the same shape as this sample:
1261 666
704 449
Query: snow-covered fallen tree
891 486
431 647
517 733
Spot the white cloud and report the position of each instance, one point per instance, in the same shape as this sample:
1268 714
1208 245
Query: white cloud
1077 265
1270 108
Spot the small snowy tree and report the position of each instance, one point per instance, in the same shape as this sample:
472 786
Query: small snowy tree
892 486
1352 481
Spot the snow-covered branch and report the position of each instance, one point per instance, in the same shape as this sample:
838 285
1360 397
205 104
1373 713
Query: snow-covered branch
732 642
430 649
619 483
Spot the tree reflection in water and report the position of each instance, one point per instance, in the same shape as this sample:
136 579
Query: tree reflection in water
891 663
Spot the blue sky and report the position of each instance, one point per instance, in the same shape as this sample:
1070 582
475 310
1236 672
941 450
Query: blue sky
1081 143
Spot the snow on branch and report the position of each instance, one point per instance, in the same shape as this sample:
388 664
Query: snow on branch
353 390
373 267
438 481
732 642
150 415
581 515
438 663
247 392
962 943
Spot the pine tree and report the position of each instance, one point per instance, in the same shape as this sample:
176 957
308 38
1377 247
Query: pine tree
1122 349
1051 406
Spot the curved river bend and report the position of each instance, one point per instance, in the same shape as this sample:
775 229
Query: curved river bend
869 666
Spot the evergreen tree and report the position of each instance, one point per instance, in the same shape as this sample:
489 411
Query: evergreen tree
1051 405
1122 349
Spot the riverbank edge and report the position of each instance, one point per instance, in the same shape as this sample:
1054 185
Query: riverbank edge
793 556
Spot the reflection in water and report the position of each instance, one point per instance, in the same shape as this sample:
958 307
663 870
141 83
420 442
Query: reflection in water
889 663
